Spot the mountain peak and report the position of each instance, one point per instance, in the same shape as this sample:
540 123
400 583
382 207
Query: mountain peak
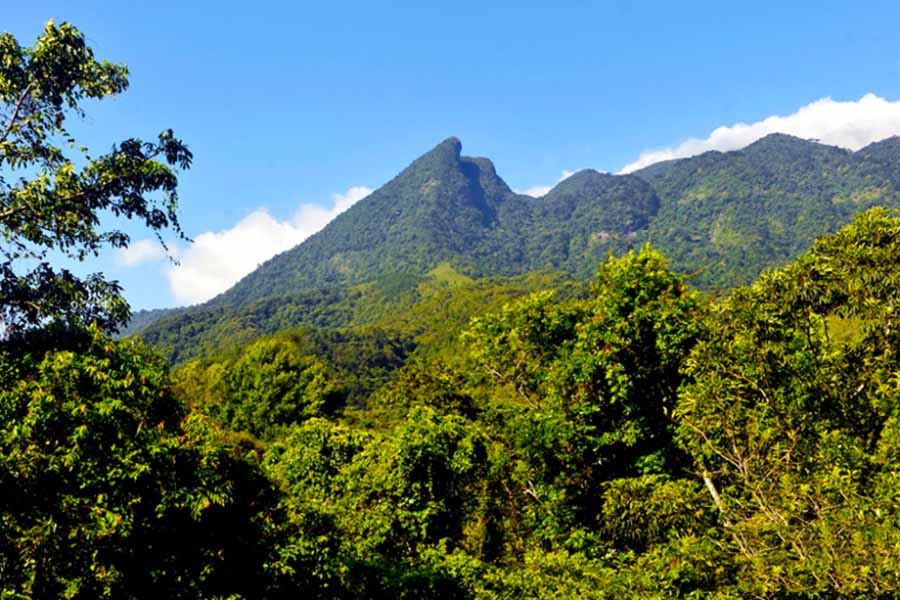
782 148
580 181
886 150
452 146
586 175
452 141
444 165
778 139
442 158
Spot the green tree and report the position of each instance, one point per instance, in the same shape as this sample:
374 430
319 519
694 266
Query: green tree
416 487
793 429
272 385
107 487
51 198
583 392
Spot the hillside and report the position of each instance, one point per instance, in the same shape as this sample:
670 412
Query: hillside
427 310
722 217
453 208
732 214
735 214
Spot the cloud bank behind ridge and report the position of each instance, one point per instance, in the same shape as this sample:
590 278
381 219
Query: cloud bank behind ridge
849 124
218 259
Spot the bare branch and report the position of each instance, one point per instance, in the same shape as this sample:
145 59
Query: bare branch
715 496
15 115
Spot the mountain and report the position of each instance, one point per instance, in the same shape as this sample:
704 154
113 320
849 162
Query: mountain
437 207
722 216
730 215
886 152
446 207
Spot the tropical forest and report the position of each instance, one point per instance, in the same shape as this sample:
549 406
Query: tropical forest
682 381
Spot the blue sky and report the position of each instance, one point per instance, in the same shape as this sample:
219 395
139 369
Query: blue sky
286 104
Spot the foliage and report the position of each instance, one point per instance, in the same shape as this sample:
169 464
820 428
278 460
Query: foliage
270 386
431 311
635 443
290 376
428 433
107 490
48 203
638 442
790 429
589 386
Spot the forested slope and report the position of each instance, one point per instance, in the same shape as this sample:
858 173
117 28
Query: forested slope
733 214
737 212
721 217
640 441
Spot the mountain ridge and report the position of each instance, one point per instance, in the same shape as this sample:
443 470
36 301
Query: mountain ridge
725 216
446 206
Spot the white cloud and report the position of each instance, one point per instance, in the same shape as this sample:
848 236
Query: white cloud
218 259
140 252
541 190
851 124
536 191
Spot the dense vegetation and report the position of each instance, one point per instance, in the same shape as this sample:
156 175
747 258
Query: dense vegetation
721 217
429 311
733 214
641 439
730 215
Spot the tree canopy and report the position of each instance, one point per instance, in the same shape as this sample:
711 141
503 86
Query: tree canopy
53 193
640 440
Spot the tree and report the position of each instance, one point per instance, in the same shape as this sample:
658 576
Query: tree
790 416
108 489
583 391
51 200
273 385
